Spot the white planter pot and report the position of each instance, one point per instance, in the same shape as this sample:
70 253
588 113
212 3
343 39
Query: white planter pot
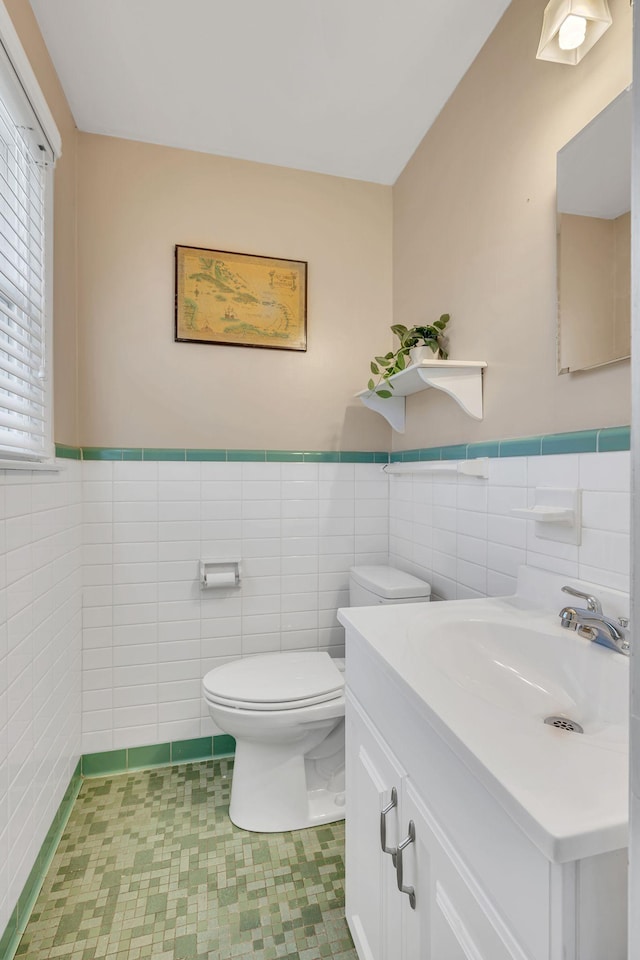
418 354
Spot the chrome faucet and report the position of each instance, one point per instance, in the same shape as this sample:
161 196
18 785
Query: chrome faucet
591 623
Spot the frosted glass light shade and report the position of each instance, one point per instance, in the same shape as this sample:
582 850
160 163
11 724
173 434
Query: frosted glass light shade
598 19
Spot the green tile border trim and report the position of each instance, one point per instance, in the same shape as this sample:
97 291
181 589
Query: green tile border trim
156 755
604 440
10 938
67 453
222 455
614 438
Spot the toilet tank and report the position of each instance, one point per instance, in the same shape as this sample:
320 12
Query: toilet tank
369 585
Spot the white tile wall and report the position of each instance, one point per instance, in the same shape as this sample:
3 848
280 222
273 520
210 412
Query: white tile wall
458 532
40 661
151 633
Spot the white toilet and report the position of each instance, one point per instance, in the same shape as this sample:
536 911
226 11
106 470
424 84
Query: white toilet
286 712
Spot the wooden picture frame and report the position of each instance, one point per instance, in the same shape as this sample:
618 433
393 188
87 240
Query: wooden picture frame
240 299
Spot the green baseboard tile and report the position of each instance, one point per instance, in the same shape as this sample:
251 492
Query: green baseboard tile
101 764
224 745
183 751
156 755
10 939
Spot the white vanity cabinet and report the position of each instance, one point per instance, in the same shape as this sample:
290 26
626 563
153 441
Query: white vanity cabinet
483 890
373 780
436 916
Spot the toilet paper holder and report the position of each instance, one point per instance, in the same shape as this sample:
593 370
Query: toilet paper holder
219 574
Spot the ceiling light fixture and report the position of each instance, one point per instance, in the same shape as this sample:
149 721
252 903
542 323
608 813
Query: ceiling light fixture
571 27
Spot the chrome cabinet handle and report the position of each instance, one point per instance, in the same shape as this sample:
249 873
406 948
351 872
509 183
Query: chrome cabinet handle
410 892
383 825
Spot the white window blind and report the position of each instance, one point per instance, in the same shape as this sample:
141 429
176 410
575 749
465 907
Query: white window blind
25 430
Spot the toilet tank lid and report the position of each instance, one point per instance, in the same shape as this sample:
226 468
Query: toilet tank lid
389 583
276 678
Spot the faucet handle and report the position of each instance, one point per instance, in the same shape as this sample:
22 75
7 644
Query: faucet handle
593 604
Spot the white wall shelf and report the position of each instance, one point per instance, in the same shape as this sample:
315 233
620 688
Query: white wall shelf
460 379
468 468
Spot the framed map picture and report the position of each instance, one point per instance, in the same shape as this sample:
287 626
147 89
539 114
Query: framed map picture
240 299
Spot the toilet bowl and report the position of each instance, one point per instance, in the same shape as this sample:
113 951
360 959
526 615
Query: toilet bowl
286 712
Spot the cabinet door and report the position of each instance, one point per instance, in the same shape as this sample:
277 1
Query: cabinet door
452 920
373 904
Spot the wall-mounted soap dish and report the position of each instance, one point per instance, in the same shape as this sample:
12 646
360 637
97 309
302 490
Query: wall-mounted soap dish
556 513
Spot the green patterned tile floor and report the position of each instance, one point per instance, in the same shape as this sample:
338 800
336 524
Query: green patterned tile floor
150 866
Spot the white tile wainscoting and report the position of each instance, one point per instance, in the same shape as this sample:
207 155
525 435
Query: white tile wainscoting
151 632
458 532
40 661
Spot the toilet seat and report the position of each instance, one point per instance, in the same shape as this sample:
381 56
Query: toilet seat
279 681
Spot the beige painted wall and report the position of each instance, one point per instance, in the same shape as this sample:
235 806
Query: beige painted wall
475 234
140 388
64 281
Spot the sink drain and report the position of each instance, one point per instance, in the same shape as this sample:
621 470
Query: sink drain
563 723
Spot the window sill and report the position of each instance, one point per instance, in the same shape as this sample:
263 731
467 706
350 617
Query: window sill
28 466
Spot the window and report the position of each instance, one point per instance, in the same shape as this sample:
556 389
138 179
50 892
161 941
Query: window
26 211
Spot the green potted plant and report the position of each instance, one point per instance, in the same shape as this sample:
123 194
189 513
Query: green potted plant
416 344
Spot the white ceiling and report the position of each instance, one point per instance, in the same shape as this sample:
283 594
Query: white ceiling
345 87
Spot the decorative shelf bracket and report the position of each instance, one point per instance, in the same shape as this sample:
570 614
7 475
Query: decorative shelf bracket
459 379
392 409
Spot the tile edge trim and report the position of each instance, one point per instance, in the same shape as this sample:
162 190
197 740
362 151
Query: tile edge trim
597 440
10 937
601 440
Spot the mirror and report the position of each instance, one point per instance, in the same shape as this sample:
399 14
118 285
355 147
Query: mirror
594 241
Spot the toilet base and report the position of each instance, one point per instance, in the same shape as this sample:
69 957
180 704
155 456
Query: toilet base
324 807
275 789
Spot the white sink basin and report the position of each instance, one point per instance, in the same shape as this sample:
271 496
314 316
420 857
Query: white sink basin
486 673
526 672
